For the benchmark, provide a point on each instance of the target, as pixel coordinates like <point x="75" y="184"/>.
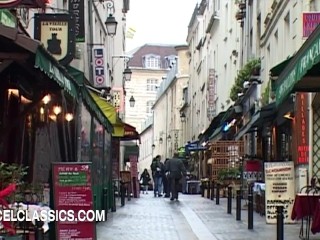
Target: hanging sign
<point x="280" y="190"/>
<point x="57" y="33"/>
<point x="99" y="67"/>
<point x="77" y="8"/>
<point x="310" y="20"/>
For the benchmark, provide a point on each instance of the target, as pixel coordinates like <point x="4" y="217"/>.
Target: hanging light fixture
<point x="69" y="117"/>
<point x="127" y="74"/>
<point x="111" y="25"/>
<point x="183" y="117"/>
<point x="169" y="138"/>
<point x="46" y="99"/>
<point x="57" y="110"/>
<point x="132" y="101"/>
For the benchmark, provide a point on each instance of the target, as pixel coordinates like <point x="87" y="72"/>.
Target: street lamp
<point x="169" y="138"/>
<point x="127" y="74"/>
<point x="183" y="117"/>
<point x="132" y="101"/>
<point x="111" y="25"/>
<point x="153" y="146"/>
<point x="160" y="140"/>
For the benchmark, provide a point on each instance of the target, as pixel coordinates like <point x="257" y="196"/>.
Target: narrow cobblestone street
<point x="191" y="218"/>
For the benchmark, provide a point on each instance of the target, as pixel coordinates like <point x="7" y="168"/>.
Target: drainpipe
<point x="90" y="10"/>
<point x="166" y="140"/>
<point x="79" y="127"/>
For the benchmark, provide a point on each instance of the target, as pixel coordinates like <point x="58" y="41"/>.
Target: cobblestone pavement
<point x="191" y="218"/>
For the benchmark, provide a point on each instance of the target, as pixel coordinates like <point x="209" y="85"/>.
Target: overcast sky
<point x="159" y="21"/>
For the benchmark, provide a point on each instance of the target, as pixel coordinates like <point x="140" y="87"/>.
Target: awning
<point x="23" y="3"/>
<point x="257" y="120"/>
<point x="276" y="70"/>
<point x="217" y="134"/>
<point x="302" y="72"/>
<point x="130" y="133"/>
<point x="15" y="41"/>
<point x="110" y="113"/>
<point x="194" y="146"/>
<point x="89" y="100"/>
<point x="213" y="125"/>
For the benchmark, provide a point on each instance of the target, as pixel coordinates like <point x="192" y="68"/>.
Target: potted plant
<point x="11" y="178"/>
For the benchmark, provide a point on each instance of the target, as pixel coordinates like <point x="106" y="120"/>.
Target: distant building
<point x="149" y="64"/>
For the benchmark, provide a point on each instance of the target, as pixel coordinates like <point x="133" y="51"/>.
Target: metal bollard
<point x="202" y="189"/>
<point x="212" y="190"/>
<point x="250" y="211"/>
<point x="208" y="189"/>
<point x="135" y="182"/>
<point x="218" y="194"/>
<point x="229" y="206"/>
<point x="280" y="223"/>
<point x="128" y="188"/>
<point x="38" y="231"/>
<point x="105" y="201"/>
<point x="113" y="207"/>
<point x="122" y="193"/>
<point x="238" y="205"/>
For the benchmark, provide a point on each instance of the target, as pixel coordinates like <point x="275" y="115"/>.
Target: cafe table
<point x="304" y="209"/>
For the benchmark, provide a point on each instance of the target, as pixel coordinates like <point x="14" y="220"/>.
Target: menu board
<point x="280" y="190"/>
<point x="72" y="189"/>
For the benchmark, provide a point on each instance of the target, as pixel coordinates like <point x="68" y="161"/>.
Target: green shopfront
<point x="299" y="86"/>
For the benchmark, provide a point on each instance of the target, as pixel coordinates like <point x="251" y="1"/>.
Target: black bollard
<point x="229" y="206"/>
<point x="238" y="205"/>
<point x="122" y="193"/>
<point x="208" y="189"/>
<point x="38" y="231"/>
<point x="279" y="222"/>
<point x="105" y="201"/>
<point x="202" y="189"/>
<point x="128" y="187"/>
<point x="135" y="182"/>
<point x="218" y="194"/>
<point x="113" y="207"/>
<point x="250" y="210"/>
<point x="212" y="190"/>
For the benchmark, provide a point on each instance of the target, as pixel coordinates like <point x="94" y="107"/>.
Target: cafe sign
<point x="303" y="62"/>
<point x="77" y="8"/>
<point x="56" y="32"/>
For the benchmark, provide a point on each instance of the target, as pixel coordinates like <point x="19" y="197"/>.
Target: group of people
<point x="166" y="177"/>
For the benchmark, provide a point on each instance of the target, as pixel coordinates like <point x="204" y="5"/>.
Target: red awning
<point x="23" y="3"/>
<point x="130" y="133"/>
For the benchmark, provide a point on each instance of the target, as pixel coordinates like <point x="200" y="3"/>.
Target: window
<point x="152" y="85"/>
<point x="170" y="61"/>
<point x="152" y="61"/>
<point x="149" y="107"/>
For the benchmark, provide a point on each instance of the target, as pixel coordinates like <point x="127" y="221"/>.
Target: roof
<point x="157" y="49"/>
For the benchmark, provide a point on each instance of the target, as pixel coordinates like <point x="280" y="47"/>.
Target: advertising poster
<point x="310" y="21"/>
<point x="280" y="190"/>
<point x="72" y="189"/>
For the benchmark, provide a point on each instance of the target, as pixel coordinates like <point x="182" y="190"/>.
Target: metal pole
<point x="208" y="189"/>
<point x="229" y="206"/>
<point x="105" y="200"/>
<point x="113" y="207"/>
<point x="250" y="208"/>
<point x="212" y="190"/>
<point x="202" y="189"/>
<point x="218" y="194"/>
<point x="122" y="193"/>
<point x="238" y="205"/>
<point x="280" y="223"/>
<point x="39" y="234"/>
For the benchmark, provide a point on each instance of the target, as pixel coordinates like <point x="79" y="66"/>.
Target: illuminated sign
<point x="302" y="128"/>
<point x="99" y="67"/>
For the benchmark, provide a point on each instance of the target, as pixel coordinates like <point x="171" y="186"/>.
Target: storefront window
<point x="85" y="134"/>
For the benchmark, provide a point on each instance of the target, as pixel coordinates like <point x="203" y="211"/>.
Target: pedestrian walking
<point x="157" y="169"/>
<point x="176" y="170"/>
<point x="165" y="181"/>
<point x="144" y="180"/>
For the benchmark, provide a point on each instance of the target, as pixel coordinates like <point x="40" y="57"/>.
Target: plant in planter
<point x="251" y="67"/>
<point x="11" y="178"/>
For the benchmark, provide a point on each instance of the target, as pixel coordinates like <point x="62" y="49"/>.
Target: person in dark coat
<point x="165" y="181"/>
<point x="176" y="170"/>
<point x="157" y="169"/>
<point x="144" y="180"/>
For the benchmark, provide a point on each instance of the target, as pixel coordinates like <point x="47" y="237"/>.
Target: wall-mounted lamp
<point x="111" y="23"/>
<point x="46" y="99"/>
<point x="160" y="140"/>
<point x="127" y="74"/>
<point x="132" y="101"/>
<point x="153" y="146"/>
<point x="169" y="138"/>
<point x="69" y="117"/>
<point x="57" y="110"/>
<point x="289" y="115"/>
<point x="183" y="117"/>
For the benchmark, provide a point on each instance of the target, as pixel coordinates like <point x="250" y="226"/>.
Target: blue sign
<point x="194" y="147"/>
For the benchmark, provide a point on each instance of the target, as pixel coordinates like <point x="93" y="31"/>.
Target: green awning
<point x="303" y="61"/>
<point x="276" y="70"/>
<point x="217" y="134"/>
<point x="88" y="100"/>
<point x="54" y="71"/>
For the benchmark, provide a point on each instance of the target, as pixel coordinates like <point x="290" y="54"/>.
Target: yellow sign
<point x="54" y="36"/>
